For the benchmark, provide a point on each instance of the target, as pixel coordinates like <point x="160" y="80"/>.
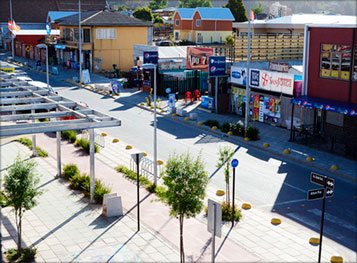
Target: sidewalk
<point x="253" y="239"/>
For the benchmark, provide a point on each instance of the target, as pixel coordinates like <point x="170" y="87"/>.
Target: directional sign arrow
<point x="329" y="193"/>
<point x="330" y="183"/>
<point x="316" y="194"/>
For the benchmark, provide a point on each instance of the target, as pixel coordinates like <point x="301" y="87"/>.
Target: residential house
<point x="277" y="9"/>
<point x="203" y="24"/>
<point x="108" y="38"/>
<point x="32" y="14"/>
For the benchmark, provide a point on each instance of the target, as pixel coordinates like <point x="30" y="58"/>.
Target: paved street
<point x="272" y="184"/>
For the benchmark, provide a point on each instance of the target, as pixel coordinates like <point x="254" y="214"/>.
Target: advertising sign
<point x="151" y="57"/>
<point x="272" y="81"/>
<point x="254" y="78"/>
<point x="48" y="28"/>
<point x="197" y="58"/>
<point x="261" y="108"/>
<point x="172" y="100"/>
<point x="115" y="86"/>
<point x="86" y="76"/>
<point x="238" y="75"/>
<point x="278" y="66"/>
<point x="217" y="66"/>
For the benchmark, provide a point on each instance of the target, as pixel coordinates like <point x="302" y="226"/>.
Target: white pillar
<point x="34" y="151"/>
<point x="80" y="41"/>
<point x="247" y="101"/>
<point x="155" y="129"/>
<point x="12" y="36"/>
<point x="58" y="137"/>
<point x="91" y="156"/>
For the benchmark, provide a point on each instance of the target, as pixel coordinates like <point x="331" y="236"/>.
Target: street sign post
<point x="214" y="222"/>
<point x="322" y="193"/>
<point x="137" y="157"/>
<point x="28" y="49"/>
<point x="234" y="164"/>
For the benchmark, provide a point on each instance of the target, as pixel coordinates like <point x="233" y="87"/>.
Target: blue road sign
<point x="234" y="163"/>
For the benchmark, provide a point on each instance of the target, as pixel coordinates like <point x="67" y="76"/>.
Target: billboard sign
<point x="217" y="66"/>
<point x="151" y="57"/>
<point x="272" y="81"/>
<point x="238" y="75"/>
<point x="198" y="58"/>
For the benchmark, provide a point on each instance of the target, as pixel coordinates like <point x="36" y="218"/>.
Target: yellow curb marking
<point x="276" y="221"/>
<point x="314" y="240"/>
<point x="286" y="151"/>
<point x="246" y="206"/>
<point x="336" y="259"/>
<point x="128" y="147"/>
<point x="220" y="192"/>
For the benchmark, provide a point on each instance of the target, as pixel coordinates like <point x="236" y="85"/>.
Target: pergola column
<point x="58" y="137"/>
<point x="91" y="157"/>
<point x="34" y="150"/>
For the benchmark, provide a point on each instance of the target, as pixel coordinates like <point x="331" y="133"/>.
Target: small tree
<point x="20" y="191"/>
<point x="158" y="19"/>
<point x="194" y="3"/>
<point x="157" y="4"/>
<point x="258" y="10"/>
<point x="225" y="155"/>
<point x="143" y="13"/>
<point x="186" y="182"/>
<point x="238" y="10"/>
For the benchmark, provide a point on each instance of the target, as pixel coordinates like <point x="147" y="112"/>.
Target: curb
<point x="244" y="143"/>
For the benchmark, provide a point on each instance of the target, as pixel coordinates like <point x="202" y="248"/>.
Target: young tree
<point x="225" y="155"/>
<point x="194" y="3"/>
<point x="186" y="182"/>
<point x="20" y="191"/>
<point x="157" y="4"/>
<point x="238" y="10"/>
<point x="258" y="10"/>
<point x="158" y="19"/>
<point x="143" y="13"/>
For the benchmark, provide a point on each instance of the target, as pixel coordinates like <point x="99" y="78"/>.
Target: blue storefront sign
<point x="207" y="102"/>
<point x="151" y="57"/>
<point x="60" y="46"/>
<point x="217" y="66"/>
<point x="254" y="78"/>
<point x="48" y="28"/>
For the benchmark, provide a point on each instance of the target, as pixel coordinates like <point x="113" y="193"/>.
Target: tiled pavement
<point x="66" y="228"/>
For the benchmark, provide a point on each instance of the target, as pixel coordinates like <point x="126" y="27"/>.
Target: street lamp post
<point x="47" y="71"/>
<point x="12" y="35"/>
<point x="80" y="41"/>
<point x="153" y="66"/>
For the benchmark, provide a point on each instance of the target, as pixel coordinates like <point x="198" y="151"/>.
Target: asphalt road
<point x="267" y="182"/>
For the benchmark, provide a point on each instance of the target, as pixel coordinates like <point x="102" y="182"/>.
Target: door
<point x="189" y="36"/>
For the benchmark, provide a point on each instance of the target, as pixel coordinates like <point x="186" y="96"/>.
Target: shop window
<point x="335" y="61"/>
<point x="354" y="69"/>
<point x="86" y="35"/>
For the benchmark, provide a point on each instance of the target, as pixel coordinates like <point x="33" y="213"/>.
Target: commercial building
<point x="107" y="38"/>
<point x="203" y="24"/>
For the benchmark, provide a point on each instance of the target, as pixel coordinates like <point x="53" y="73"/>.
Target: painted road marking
<point x="333" y="219"/>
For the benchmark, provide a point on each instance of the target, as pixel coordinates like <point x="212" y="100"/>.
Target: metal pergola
<point x="22" y="105"/>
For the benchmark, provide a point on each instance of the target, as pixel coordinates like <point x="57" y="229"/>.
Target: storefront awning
<point x="325" y="104"/>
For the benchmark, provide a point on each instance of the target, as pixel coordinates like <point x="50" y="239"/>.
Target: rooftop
<point x="206" y="13"/>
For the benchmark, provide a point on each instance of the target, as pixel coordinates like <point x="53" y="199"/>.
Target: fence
<point x="146" y="168"/>
<point x="98" y="139"/>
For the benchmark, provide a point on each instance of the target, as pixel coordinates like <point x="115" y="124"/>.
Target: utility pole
<point x="247" y="100"/>
<point x="12" y="35"/>
<point x="80" y="41"/>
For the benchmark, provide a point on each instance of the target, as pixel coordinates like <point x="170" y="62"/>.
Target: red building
<point x="330" y="87"/>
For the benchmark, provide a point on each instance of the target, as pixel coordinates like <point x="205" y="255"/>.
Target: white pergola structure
<point x="21" y="104"/>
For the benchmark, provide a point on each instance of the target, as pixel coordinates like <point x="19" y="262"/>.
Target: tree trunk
<point x="182" y="253"/>
<point x="19" y="229"/>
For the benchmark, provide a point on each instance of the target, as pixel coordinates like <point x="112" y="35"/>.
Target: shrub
<point x="226" y="127"/>
<point x="41" y="152"/>
<point x="2" y="199"/>
<point x="43" y="120"/>
<point x="252" y="133"/>
<point x="84" y="145"/>
<point x="27" y="255"/>
<point x="69" y="171"/>
<point x="70" y="136"/>
<point x="227" y="212"/>
<point x="25" y="141"/>
<point x="77" y="181"/>
<point x="211" y="123"/>
<point x="238" y="129"/>
<point x="99" y="191"/>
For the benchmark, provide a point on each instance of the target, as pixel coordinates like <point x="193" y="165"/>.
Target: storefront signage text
<point x="272" y="81"/>
<point x="197" y="58"/>
<point x="278" y="66"/>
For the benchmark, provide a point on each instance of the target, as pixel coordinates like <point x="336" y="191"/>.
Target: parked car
<point x="164" y="43"/>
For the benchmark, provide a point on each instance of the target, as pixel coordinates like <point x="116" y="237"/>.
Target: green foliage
<point x="27" y="255"/>
<point x="253" y="133"/>
<point x="69" y="171"/>
<point x="28" y="142"/>
<point x="21" y="190"/>
<point x="2" y="199"/>
<point x="238" y="10"/>
<point x="158" y="19"/>
<point x="225" y="156"/>
<point x="211" y="123"/>
<point x="226" y="127"/>
<point x="143" y="13"/>
<point x="238" y="128"/>
<point x="227" y="212"/>
<point x="121" y="8"/>
<point x="43" y="120"/>
<point x="159" y="190"/>
<point x="230" y="40"/>
<point x="157" y="4"/>
<point x="194" y="3"/>
<point x="148" y="101"/>
<point x="77" y="181"/>
<point x="70" y="136"/>
<point x="258" y="10"/>
<point x="99" y="191"/>
<point x="85" y="144"/>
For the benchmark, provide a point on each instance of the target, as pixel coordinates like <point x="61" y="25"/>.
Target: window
<point x="177" y="22"/>
<point x="86" y="35"/>
<point x="199" y="38"/>
<point x="68" y="34"/>
<point x="354" y="69"/>
<point x="106" y="33"/>
<point x="176" y="35"/>
<point x="198" y="23"/>
<point x="76" y="35"/>
<point x="335" y="61"/>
